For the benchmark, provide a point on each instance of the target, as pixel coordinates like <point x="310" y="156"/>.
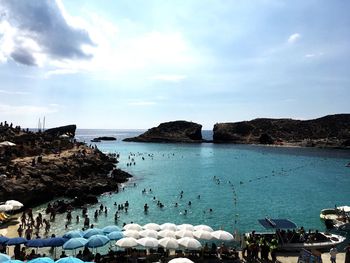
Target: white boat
<point x="292" y="239"/>
<point x="338" y="217"/>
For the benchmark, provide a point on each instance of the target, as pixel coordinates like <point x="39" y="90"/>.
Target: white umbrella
<point x="152" y="226"/>
<point x="133" y="226"/>
<point x="185" y="227"/>
<point x="7" y="143"/>
<point x="183" y="233"/>
<point x="4" y="208"/>
<point x="126" y="242"/>
<point x="222" y="235"/>
<point x="202" y="234"/>
<point x="149" y="233"/>
<point x="203" y="227"/>
<point x="148" y="242"/>
<point x="168" y="226"/>
<point x="16" y="204"/>
<point x="131" y="233"/>
<point x="168" y="243"/>
<point x="180" y="260"/>
<point x="167" y="233"/>
<point x="189" y="243"/>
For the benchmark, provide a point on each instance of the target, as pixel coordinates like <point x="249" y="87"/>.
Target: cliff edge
<point x="328" y="131"/>
<point x="174" y="131"/>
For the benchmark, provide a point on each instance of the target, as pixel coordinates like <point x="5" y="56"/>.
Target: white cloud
<point x="169" y="77"/>
<point x="293" y="38"/>
<point x="13" y="92"/>
<point x="32" y="32"/>
<point x="313" y="55"/>
<point x="12" y="110"/>
<point x="141" y="103"/>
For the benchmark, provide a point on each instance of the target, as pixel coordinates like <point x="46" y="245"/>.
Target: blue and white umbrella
<point x="115" y="235"/>
<point x="14" y="261"/>
<point x="3" y="239"/>
<point x="41" y="260"/>
<point x="16" y="241"/>
<point x="110" y="229"/>
<point x="4" y="258"/>
<point x="92" y="231"/>
<point x="55" y="241"/>
<point x="69" y="260"/>
<point x="73" y="233"/>
<point x="39" y="242"/>
<point x="97" y="241"/>
<point x="74" y="243"/>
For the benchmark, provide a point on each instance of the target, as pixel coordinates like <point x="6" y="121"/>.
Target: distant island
<point x="172" y="132"/>
<point x="331" y="131"/>
<point x="328" y="131"/>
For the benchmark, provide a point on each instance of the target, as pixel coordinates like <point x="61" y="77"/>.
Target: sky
<point x="124" y="64"/>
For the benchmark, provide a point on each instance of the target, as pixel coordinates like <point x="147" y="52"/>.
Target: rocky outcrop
<point x="104" y="138"/>
<point x="68" y="130"/>
<point x="328" y="131"/>
<point x="175" y="131"/>
<point x="42" y="167"/>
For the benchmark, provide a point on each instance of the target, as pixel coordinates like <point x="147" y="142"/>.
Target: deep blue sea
<point x="240" y="183"/>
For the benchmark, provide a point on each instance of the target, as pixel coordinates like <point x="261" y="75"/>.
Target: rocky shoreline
<point x="331" y="131"/>
<point x="46" y="165"/>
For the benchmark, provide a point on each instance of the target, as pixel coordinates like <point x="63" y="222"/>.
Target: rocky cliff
<point x="42" y="166"/>
<point x="175" y="131"/>
<point x="328" y="131"/>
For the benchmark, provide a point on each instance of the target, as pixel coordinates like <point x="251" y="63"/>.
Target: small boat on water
<point x="337" y="217"/>
<point x="291" y="238"/>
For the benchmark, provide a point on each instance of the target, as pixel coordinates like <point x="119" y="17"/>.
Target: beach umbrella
<point x="126" y="242"/>
<point x="203" y="234"/>
<point x="189" y="243"/>
<point x="109" y="229"/>
<point x="14" y="261"/>
<point x="16" y="204"/>
<point x="39" y="242"/>
<point x="4" y="257"/>
<point x="133" y="226"/>
<point x="74" y="243"/>
<point x="16" y="241"/>
<point x="148" y="242"/>
<point x="92" y="231"/>
<point x="3" y="239"/>
<point x="183" y="233"/>
<point x="149" y="233"/>
<point x="180" y="260"/>
<point x="7" y="143"/>
<point x="222" y="235"/>
<point x="168" y="226"/>
<point x="4" y="208"/>
<point x="185" y="227"/>
<point x="167" y="233"/>
<point x="168" y="243"/>
<point x="55" y="241"/>
<point x="69" y="260"/>
<point x="97" y="241"/>
<point x="131" y="233"/>
<point x="73" y="233"/>
<point x="203" y="227"/>
<point x="152" y="226"/>
<point x="115" y="235"/>
<point x="41" y="260"/>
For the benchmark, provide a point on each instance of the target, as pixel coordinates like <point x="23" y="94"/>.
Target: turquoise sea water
<point x="251" y="182"/>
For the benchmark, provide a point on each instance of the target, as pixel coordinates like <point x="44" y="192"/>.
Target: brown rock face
<point x="175" y="131"/>
<point x="328" y="131"/>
